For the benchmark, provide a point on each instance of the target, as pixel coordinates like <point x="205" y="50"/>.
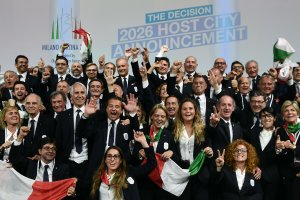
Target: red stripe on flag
<point x="154" y="175"/>
<point x="82" y="32"/>
<point x="51" y="190"/>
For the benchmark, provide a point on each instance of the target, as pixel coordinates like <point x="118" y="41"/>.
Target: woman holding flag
<point x="288" y="149"/>
<point x="163" y="144"/>
<point x="192" y="150"/>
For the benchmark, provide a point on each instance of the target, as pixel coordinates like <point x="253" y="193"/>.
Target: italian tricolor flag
<point x="282" y="50"/>
<point x="15" y="186"/>
<point x="171" y="177"/>
<point x="86" y="45"/>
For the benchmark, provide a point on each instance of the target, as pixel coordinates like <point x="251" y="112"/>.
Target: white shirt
<point x="106" y="192"/>
<point x="9" y="136"/>
<point x="202" y="106"/>
<point x="74" y="156"/>
<point x="23" y="78"/>
<point x="265" y="137"/>
<point x="186" y="145"/>
<point x="240" y="176"/>
<point x="41" y="168"/>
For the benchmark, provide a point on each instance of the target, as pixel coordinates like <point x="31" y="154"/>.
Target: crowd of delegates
<point x="102" y="125"/>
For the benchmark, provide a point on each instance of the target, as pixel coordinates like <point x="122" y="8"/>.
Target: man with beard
<point x="20" y="92"/>
<point x="76" y="72"/>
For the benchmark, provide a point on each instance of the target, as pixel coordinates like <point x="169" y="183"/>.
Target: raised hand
<point x="143" y="72"/>
<point x="153" y="66"/>
<point x="279" y="144"/>
<point x="131" y="105"/>
<point x="220" y="159"/>
<point x="234" y="83"/>
<point x="145" y="55"/>
<point x="24" y="130"/>
<point x="41" y="63"/>
<point x="212" y="78"/>
<point x="90" y="107"/>
<point x="176" y="66"/>
<point x="135" y="52"/>
<point x="110" y="80"/>
<point x="215" y="117"/>
<point x="64" y="46"/>
<point x="128" y="53"/>
<point x="273" y="72"/>
<point x="164" y="48"/>
<point x="140" y="137"/>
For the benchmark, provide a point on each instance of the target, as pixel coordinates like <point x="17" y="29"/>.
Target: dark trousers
<point x="78" y="170"/>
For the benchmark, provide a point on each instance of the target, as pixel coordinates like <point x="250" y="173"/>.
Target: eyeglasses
<point x="91" y="70"/>
<point x="240" y="151"/>
<point x="50" y="148"/>
<point x="113" y="157"/>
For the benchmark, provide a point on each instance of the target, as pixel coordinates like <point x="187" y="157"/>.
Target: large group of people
<point x="107" y="127"/>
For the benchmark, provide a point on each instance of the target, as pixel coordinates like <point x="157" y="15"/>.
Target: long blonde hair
<point x="118" y="182"/>
<point x="198" y="125"/>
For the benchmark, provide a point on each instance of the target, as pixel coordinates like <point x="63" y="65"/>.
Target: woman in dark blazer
<point x="163" y="143"/>
<point x="264" y="139"/>
<point x="288" y="149"/>
<point x="235" y="180"/>
<point x="10" y="123"/>
<point x="114" y="180"/>
<point x="190" y="142"/>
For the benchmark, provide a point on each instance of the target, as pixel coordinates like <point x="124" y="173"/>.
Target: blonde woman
<point x="191" y="143"/>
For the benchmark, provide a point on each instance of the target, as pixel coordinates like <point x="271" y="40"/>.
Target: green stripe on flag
<point x="280" y="54"/>
<point x="197" y="163"/>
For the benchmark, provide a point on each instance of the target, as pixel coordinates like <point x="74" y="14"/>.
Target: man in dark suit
<point x="252" y="71"/>
<point x="47" y="169"/>
<point x="10" y="77"/>
<point x="40" y="125"/>
<point x="190" y="66"/>
<point x="73" y="150"/>
<point x="107" y="131"/>
<point x="125" y="80"/>
<point x="21" y="63"/>
<point x="221" y="130"/>
<point x="61" y="65"/>
<point x="242" y="97"/>
<point x="91" y="72"/>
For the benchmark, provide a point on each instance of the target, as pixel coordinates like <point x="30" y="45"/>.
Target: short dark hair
<point x="21" y="83"/>
<point x="163" y="58"/>
<point x="62" y="58"/>
<point x="268" y="110"/>
<point x="20" y="56"/>
<point x="114" y="98"/>
<point x="256" y="93"/>
<point x="46" y="140"/>
<point x="57" y="93"/>
<point x="236" y="62"/>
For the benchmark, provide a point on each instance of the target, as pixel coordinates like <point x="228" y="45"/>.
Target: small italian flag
<point x="15" y="186"/>
<point x="171" y="177"/>
<point x="86" y="45"/>
<point x="282" y="51"/>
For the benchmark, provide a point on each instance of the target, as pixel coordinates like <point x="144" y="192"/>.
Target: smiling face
<point x="122" y="67"/>
<point x="9" y="79"/>
<point x="244" y="85"/>
<point x="172" y="106"/>
<point x="252" y="69"/>
<point x="48" y="152"/>
<point x="163" y="91"/>
<point x="190" y="64"/>
<point x="114" y="109"/>
<point x="58" y="104"/>
<point x="22" y="65"/>
<point x="33" y="104"/>
<point x="76" y="69"/>
<point x="11" y="117"/>
<point x="163" y="67"/>
<point x="199" y="85"/>
<point x="61" y="66"/>
<point x="78" y="95"/>
<point x="240" y="154"/>
<point x="188" y="112"/>
<point x="113" y="160"/>
<point x="290" y="114"/>
<point x="226" y="107"/>
<point x="267" y="120"/>
<point x="158" y="118"/>
<point x="20" y="92"/>
<point x="95" y="88"/>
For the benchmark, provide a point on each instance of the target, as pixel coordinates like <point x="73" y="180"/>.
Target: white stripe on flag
<point x="13" y="186"/>
<point x="174" y="178"/>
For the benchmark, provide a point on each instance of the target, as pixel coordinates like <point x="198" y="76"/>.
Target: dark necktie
<point x="228" y="126"/>
<point x="61" y="78"/>
<point x="78" y="140"/>
<point x="189" y="76"/>
<point x="254" y="84"/>
<point x="177" y="87"/>
<point x="268" y="100"/>
<point x="111" y="134"/>
<point x="125" y="85"/>
<point x="32" y="128"/>
<point x="20" y="76"/>
<point x="46" y="175"/>
<point x="23" y="108"/>
<point x="198" y="103"/>
<point x="162" y="78"/>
